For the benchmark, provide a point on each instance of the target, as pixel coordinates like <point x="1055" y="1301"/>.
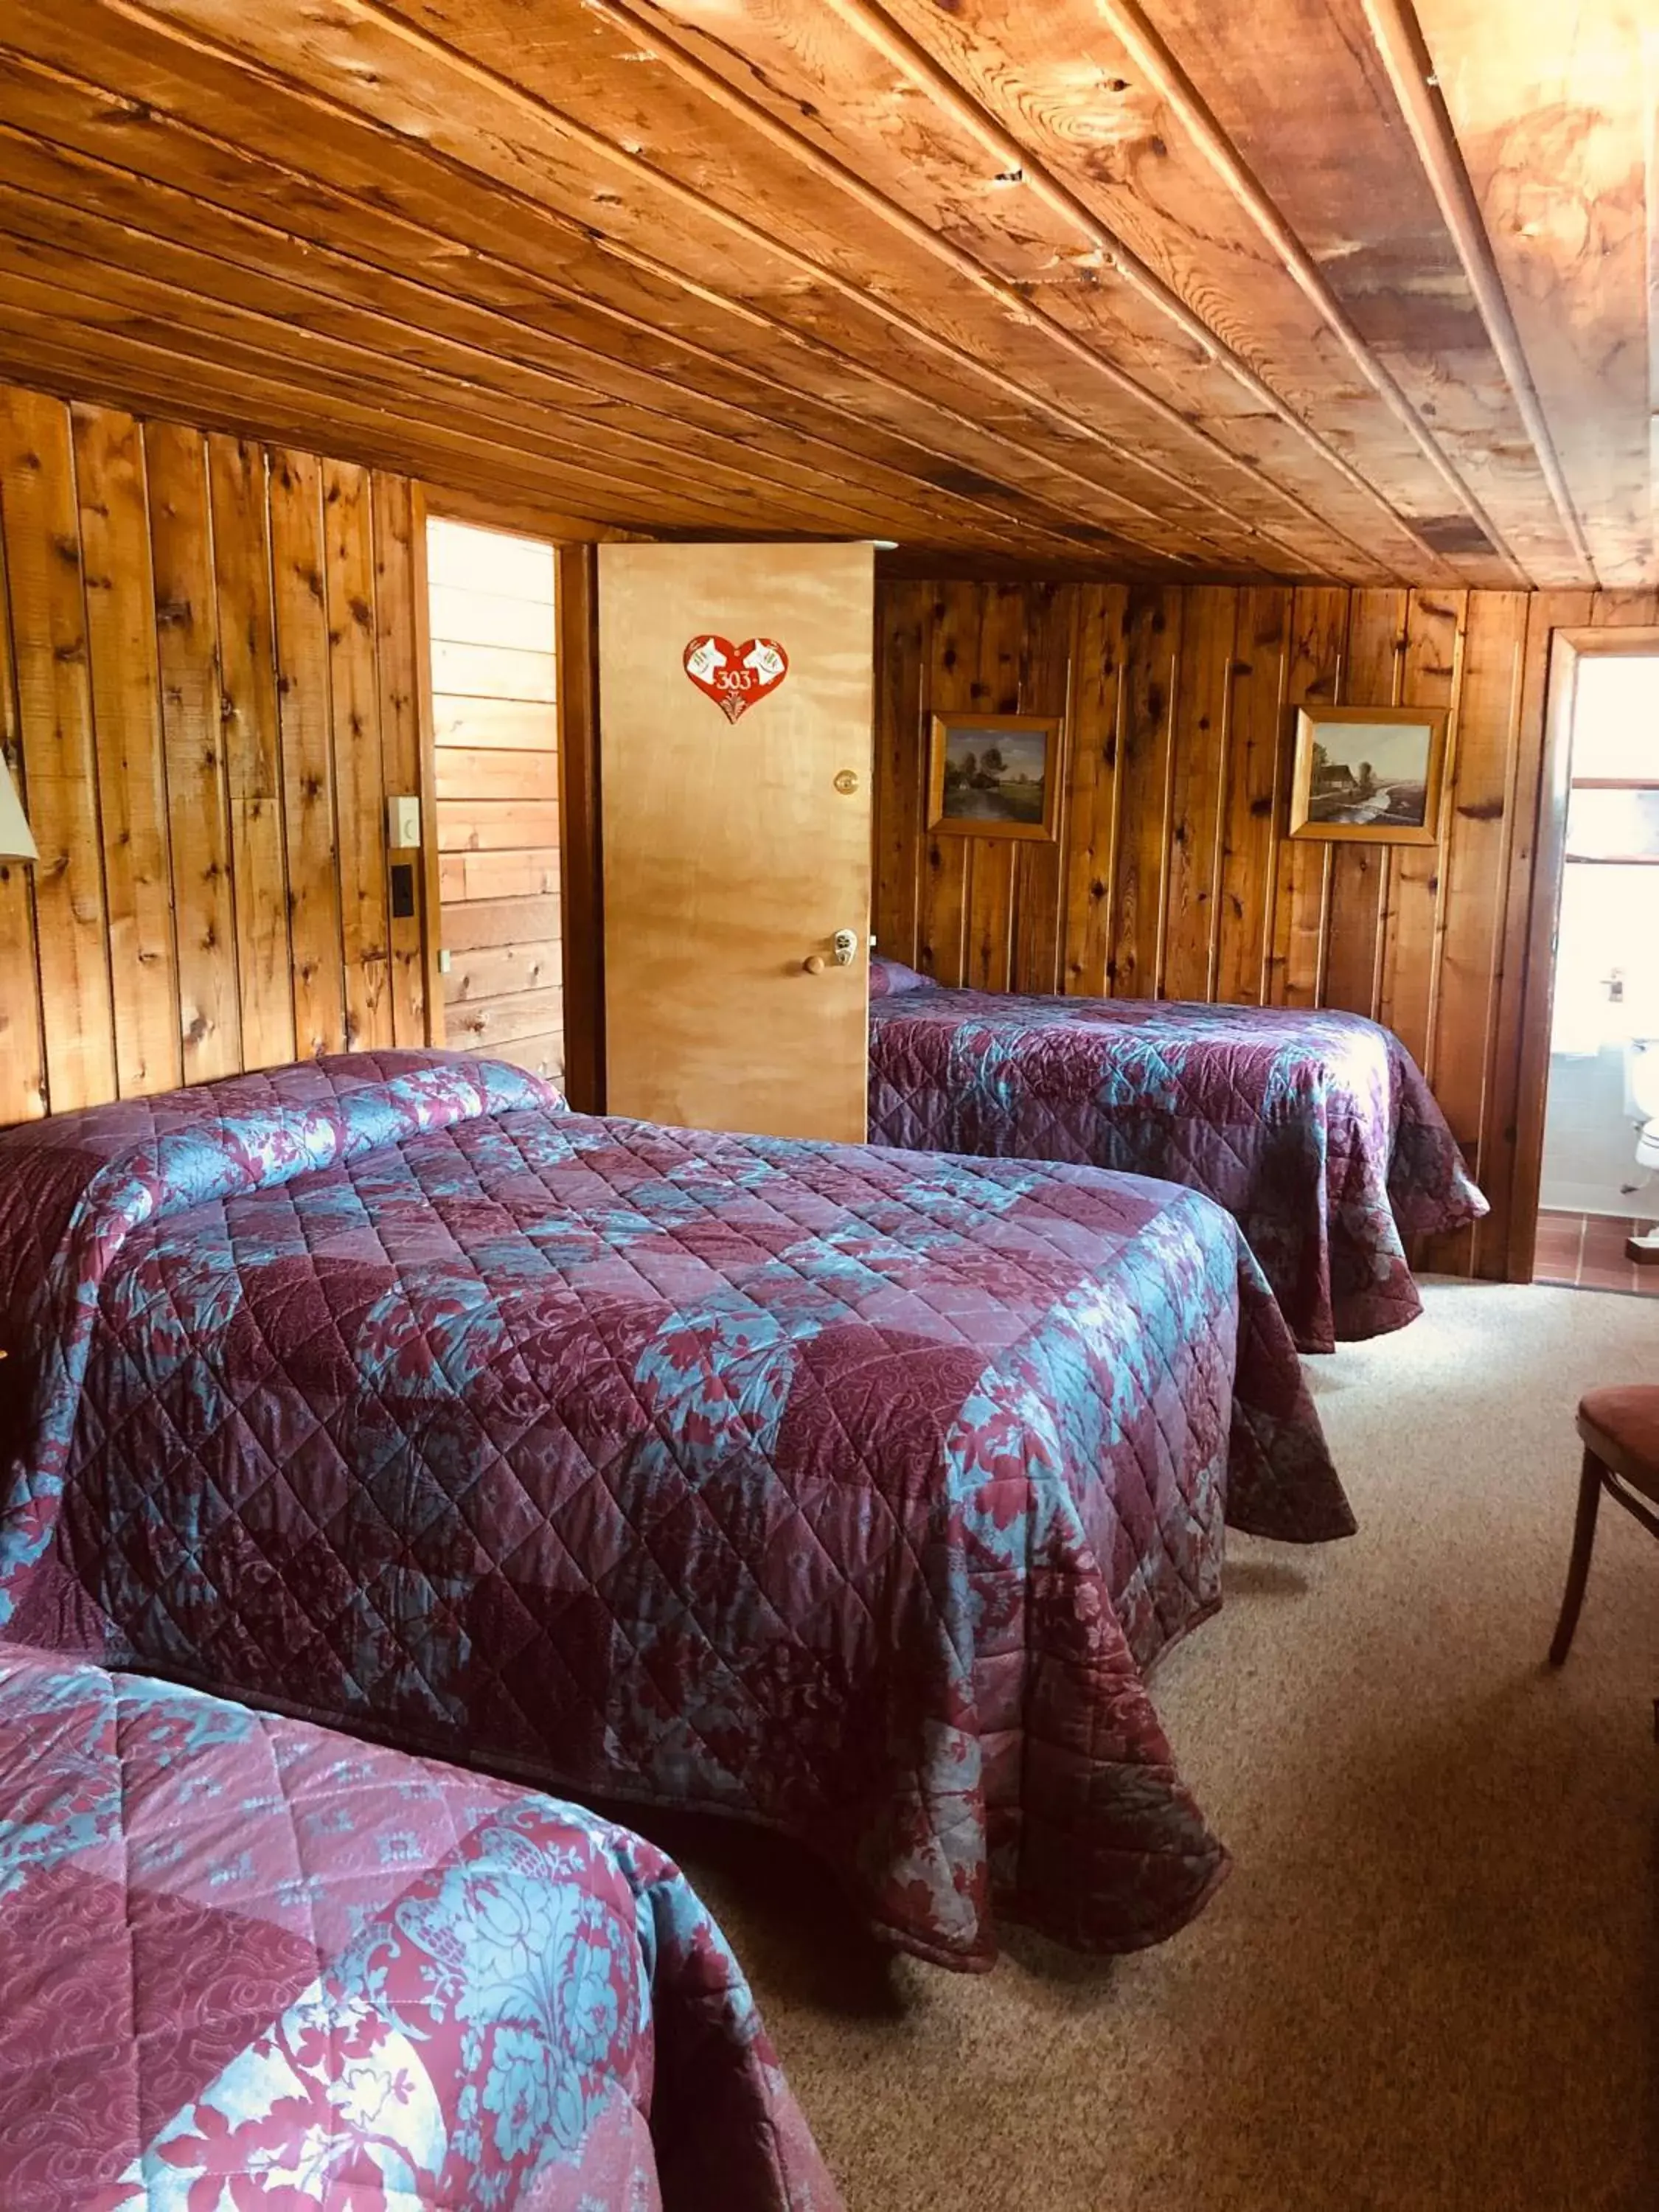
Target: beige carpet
<point x="1430" y="1981"/>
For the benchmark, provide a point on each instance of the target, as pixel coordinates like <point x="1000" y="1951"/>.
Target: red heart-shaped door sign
<point x="735" y="676"/>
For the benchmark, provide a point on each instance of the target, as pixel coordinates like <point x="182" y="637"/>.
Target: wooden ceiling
<point x="1298" y="288"/>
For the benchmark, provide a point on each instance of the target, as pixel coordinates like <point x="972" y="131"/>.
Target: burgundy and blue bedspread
<point x="247" y="1964"/>
<point x="844" y="1491"/>
<point x="1316" y="1131"/>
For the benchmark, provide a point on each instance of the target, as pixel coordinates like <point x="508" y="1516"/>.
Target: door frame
<point x="582" y="918"/>
<point x="1567" y="648"/>
<point x="431" y="912"/>
<point x="581" y="869"/>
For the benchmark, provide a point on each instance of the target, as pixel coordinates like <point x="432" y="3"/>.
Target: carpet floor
<point x="1431" y="1981"/>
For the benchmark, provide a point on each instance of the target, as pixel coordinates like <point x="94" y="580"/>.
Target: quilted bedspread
<point x="244" y="1963"/>
<point x="845" y="1491"/>
<point x="1316" y="1131"/>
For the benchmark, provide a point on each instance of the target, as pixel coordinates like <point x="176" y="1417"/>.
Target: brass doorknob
<point x="813" y="963"/>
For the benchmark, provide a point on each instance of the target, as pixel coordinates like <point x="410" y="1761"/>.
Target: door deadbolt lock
<point x="846" y="941"/>
<point x="847" y="782"/>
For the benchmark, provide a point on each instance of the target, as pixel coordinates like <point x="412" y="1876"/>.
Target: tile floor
<point x="1588" y="1250"/>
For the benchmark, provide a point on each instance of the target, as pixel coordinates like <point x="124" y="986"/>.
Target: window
<point x="1613" y="808"/>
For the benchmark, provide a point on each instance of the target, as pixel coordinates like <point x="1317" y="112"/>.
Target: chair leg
<point x="1583" y="1542"/>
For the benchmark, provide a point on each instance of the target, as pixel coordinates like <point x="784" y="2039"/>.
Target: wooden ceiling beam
<point x="1411" y="73"/>
<point x="378" y="65"/>
<point x="164" y="76"/>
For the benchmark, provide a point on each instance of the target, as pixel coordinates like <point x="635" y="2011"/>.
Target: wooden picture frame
<point x="1018" y="796"/>
<point x="1368" y="775"/>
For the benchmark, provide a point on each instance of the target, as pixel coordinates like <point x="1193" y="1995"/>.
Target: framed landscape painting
<point x="1369" y="775"/>
<point x="994" y="775"/>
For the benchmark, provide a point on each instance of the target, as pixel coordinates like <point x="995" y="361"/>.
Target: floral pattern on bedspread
<point x="844" y="1491"/>
<point x="1315" y="1130"/>
<point x="247" y="1964"/>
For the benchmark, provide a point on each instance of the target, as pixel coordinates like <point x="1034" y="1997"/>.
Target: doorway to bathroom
<point x="1598" y="1190"/>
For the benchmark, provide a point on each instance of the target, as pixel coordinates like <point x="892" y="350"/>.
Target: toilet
<point x="1642" y="1096"/>
<point x="1642" y="1105"/>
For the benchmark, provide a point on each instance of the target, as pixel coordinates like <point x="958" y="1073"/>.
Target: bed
<point x="847" y="1492"/>
<point x="1314" y="1130"/>
<point x="246" y="1962"/>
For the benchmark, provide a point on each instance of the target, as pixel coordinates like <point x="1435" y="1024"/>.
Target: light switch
<point x="403" y="824"/>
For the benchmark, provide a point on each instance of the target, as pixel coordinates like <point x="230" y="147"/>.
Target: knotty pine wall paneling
<point x="193" y="749"/>
<point x="209" y="686"/>
<point x="1172" y="876"/>
<point x="73" y="979"/>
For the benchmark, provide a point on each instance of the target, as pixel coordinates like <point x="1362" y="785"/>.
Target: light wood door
<point x="737" y="833"/>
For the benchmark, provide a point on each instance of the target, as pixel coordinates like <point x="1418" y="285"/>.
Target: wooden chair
<point x="1621" y="1429"/>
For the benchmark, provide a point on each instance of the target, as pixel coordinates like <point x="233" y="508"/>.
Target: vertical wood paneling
<point x="1301" y="918"/>
<point x="1044" y="689"/>
<point x="1009" y="615"/>
<point x="1202" y="755"/>
<point x="1001" y="647"/>
<point x="204" y="717"/>
<point x="954" y="635"/>
<point x="114" y="527"/>
<point x="397" y="642"/>
<point x="1474" y="875"/>
<point x="1250" y="838"/>
<point x="198" y="796"/>
<point x="990" y="915"/>
<point x="299" y="596"/>
<point x="1090" y="854"/>
<point x="22" y="1042"/>
<point x="251" y="743"/>
<point x="1151" y="642"/>
<point x="354" y="745"/>
<point x="1179" y="709"/>
<point x="1433" y="663"/>
<point x="1624" y="610"/>
<point x="904" y="612"/>
<point x="1373" y="672"/>
<point x="54" y="702"/>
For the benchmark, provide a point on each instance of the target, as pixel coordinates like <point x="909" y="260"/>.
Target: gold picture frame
<point x="994" y="775"/>
<point x="1368" y="775"/>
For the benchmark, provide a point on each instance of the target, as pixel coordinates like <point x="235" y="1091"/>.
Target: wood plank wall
<point x="209" y="684"/>
<point x="495" y="729"/>
<point x="1171" y="876"/>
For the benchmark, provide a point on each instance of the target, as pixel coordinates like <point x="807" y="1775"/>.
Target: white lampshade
<point x="15" y="842"/>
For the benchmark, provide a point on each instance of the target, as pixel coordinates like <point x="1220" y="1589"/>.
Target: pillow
<point x="888" y="977"/>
